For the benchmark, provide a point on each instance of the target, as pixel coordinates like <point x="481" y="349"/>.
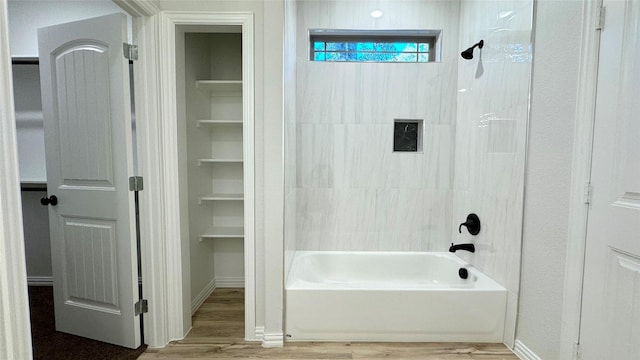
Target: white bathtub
<point x="390" y="296"/>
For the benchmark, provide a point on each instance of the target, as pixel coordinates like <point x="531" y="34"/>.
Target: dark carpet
<point x="50" y="344"/>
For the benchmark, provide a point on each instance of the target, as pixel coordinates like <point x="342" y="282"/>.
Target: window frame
<point x="431" y="37"/>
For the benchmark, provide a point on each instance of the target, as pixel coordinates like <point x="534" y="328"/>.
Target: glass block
<point x="423" y="47"/>
<point x="365" y="46"/>
<point x="423" y="57"/>
<point x="336" y="46"/>
<point x="319" y="56"/>
<point x="406" y="57"/>
<point x="318" y="45"/>
<point x="336" y="56"/>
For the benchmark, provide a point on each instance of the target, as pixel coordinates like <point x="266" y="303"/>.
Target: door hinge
<point x="136" y="183"/>
<point x="577" y="351"/>
<point x="601" y="16"/>
<point x="130" y="51"/>
<point x="141" y="307"/>
<point x="588" y="193"/>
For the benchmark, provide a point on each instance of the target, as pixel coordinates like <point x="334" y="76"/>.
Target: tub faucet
<point x="467" y="247"/>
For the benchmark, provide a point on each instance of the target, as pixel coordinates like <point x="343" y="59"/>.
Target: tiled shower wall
<point x="352" y="191"/>
<point x="290" y="140"/>
<point x="492" y="112"/>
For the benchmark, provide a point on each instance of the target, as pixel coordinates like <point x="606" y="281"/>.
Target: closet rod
<point x="34" y="61"/>
<point x="33" y="186"/>
<point x="25" y="61"/>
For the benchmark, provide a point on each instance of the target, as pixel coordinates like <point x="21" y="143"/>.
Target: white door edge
<point x="581" y="170"/>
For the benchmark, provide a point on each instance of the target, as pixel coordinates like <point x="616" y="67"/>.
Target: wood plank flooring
<point x="218" y="333"/>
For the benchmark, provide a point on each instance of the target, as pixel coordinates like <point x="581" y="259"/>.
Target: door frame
<point x="15" y="341"/>
<point x="165" y="156"/>
<point x="581" y="175"/>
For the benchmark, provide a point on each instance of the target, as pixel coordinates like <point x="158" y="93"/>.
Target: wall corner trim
<point x="139" y="7"/>
<point x="523" y="352"/>
<point x="581" y="173"/>
<point x="273" y="340"/>
<point x="202" y="296"/>
<point x="259" y="334"/>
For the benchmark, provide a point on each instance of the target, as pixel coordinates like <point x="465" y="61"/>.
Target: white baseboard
<point x="204" y="294"/>
<point x="523" y="352"/>
<point x="273" y="340"/>
<point x="39" y="280"/>
<point x="230" y="282"/>
<point x="258" y="334"/>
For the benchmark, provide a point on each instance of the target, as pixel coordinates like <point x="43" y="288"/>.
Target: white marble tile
<point x="354" y="193"/>
<point x="490" y="135"/>
<point x="315" y="146"/>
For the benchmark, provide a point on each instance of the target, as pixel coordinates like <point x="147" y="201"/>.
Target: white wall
<point x="290" y="139"/>
<point x="30" y="137"/>
<point x="35" y="218"/>
<point x="548" y="174"/>
<point x="353" y="191"/>
<point x="493" y="100"/>
<point x="27" y="16"/>
<point x="29" y="123"/>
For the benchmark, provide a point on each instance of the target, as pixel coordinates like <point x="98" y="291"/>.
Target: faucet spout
<point x="466" y="247"/>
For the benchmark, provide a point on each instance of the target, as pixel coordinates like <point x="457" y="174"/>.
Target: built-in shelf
<point x="223" y="232"/>
<point x="222" y="86"/>
<point x="221" y="197"/>
<point x="218" y="122"/>
<point x="202" y="162"/>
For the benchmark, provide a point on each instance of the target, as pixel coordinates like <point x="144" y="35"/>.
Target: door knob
<point x="51" y="200"/>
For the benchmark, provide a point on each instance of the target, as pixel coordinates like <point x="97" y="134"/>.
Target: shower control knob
<point x="472" y="224"/>
<point x="51" y="200"/>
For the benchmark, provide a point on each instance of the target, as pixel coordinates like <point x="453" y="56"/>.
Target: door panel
<point x="82" y="78"/>
<point x="86" y="106"/>
<point x="90" y="263"/>
<point x="610" y="326"/>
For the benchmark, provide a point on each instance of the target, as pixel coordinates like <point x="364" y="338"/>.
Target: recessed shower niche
<point x="407" y="135"/>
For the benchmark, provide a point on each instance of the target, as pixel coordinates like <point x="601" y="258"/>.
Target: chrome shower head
<point x="468" y="54"/>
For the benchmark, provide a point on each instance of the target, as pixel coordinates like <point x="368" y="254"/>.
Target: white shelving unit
<point x="223" y="232"/>
<point x="220" y="86"/>
<point x="202" y="162"/>
<point x="214" y="137"/>
<point x="221" y="197"/>
<point x="212" y="163"/>
<point x="203" y="123"/>
<point x="225" y="134"/>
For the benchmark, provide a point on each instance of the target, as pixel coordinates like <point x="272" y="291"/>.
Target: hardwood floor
<point x="218" y="333"/>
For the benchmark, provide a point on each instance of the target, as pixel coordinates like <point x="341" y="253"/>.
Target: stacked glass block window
<point x="373" y="46"/>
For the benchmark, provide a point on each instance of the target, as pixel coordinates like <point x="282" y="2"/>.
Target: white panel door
<point x="610" y="327"/>
<point x="87" y="117"/>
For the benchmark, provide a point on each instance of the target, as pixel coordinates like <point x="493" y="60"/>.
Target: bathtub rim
<point x="482" y="282"/>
